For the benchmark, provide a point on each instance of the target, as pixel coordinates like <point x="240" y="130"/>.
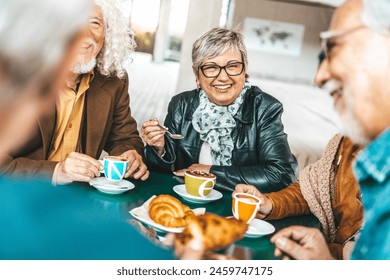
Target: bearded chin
<point x="84" y="68"/>
<point x="353" y="129"/>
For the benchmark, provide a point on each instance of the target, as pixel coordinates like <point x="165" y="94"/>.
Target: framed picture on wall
<point x="274" y="37"/>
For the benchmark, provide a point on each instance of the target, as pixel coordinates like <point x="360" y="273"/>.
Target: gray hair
<point x="215" y="42"/>
<point x="118" y="40"/>
<point x="376" y="15"/>
<point x="33" y="37"/>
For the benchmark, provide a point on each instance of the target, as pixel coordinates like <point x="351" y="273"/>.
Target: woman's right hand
<point x="266" y="204"/>
<point x="153" y="135"/>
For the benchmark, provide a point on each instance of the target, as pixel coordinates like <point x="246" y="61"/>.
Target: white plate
<point x="141" y="213"/>
<point x="105" y="186"/>
<point x="259" y="228"/>
<point x="181" y="190"/>
<point x="148" y="221"/>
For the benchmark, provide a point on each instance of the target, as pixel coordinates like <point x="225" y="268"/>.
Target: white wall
<point x="282" y="67"/>
<point x="202" y="16"/>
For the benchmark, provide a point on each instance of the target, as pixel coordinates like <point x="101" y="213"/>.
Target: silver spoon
<point x="172" y="135"/>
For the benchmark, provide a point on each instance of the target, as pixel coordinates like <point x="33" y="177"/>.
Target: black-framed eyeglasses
<point x="327" y="44"/>
<point x="213" y="70"/>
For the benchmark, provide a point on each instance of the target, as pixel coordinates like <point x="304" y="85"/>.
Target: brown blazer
<point x="346" y="203"/>
<point x="107" y="125"/>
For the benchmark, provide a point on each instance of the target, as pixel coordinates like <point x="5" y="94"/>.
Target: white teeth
<point x="222" y="87"/>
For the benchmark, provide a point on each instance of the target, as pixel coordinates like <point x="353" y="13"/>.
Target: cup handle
<point x="203" y="186"/>
<point x="235" y="209"/>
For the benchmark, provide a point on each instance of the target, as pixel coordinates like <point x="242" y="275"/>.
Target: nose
<point x="223" y="75"/>
<point x="322" y="74"/>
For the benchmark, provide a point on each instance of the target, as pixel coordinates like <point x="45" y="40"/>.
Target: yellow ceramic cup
<point x="199" y="183"/>
<point x="245" y="206"/>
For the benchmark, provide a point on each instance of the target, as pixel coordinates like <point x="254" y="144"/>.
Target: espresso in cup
<point x="115" y="167"/>
<point x="199" y="183"/>
<point x="245" y="206"/>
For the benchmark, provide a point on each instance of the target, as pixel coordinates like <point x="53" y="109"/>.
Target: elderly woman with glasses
<point x="230" y="128"/>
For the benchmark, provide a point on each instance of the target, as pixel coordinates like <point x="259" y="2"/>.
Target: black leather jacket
<point x="261" y="155"/>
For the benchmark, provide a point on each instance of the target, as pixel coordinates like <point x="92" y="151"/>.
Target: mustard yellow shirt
<point x="70" y="106"/>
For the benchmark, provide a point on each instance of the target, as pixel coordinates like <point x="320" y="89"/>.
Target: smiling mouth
<point x="222" y="87"/>
<point x="334" y="88"/>
<point x="336" y="93"/>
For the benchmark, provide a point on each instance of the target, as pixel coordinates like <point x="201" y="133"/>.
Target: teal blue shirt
<point x="39" y="221"/>
<point x="373" y="173"/>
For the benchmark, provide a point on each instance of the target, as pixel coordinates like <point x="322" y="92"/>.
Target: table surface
<point x="72" y="222"/>
<point x="247" y="248"/>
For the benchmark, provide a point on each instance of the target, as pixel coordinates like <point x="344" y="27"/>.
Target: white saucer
<point x="141" y="213"/>
<point x="258" y="228"/>
<point x="181" y="190"/>
<point x="105" y="186"/>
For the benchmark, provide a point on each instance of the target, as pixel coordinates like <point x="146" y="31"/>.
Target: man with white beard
<point x="91" y="115"/>
<point x="356" y="72"/>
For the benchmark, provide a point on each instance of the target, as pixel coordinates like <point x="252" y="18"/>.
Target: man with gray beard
<point x="356" y="72"/>
<point x="92" y="114"/>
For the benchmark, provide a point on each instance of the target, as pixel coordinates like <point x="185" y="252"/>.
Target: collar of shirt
<point x="374" y="160"/>
<point x="85" y="80"/>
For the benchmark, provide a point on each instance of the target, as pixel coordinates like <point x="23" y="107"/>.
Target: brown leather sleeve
<point x="287" y="202"/>
<point x="26" y="167"/>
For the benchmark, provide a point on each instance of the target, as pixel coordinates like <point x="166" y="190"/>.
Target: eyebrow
<point x="230" y="61"/>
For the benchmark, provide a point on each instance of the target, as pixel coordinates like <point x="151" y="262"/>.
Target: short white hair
<point x="376" y="15"/>
<point x="118" y="40"/>
<point x="33" y="37"/>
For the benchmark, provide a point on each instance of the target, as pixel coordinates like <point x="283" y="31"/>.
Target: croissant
<point x="168" y="211"/>
<point x="216" y="232"/>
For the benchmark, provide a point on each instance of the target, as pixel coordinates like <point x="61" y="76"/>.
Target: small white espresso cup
<point x="115" y="167"/>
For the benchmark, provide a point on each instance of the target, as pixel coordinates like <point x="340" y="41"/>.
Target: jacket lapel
<point x="245" y="115"/>
<point x="47" y="127"/>
<point x="98" y="104"/>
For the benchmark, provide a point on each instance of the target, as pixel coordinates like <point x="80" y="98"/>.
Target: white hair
<point x="376" y="15"/>
<point x="118" y="40"/>
<point x="215" y="42"/>
<point x="33" y="37"/>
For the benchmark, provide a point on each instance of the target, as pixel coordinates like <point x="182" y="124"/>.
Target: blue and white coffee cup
<point x="115" y="167"/>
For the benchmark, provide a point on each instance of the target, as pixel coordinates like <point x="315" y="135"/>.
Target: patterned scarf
<point x="215" y="123"/>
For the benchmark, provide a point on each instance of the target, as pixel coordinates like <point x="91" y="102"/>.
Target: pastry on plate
<point x="216" y="232"/>
<point x="168" y="211"/>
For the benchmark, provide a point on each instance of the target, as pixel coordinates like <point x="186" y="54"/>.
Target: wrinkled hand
<point x="199" y="167"/>
<point x="347" y="249"/>
<point x="137" y="168"/>
<point x="77" y="167"/>
<point x="266" y="204"/>
<point x="153" y="135"/>
<point x="193" y="250"/>
<point x="301" y="243"/>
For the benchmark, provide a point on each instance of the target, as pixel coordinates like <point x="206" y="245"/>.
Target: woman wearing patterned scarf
<point x="230" y="128"/>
